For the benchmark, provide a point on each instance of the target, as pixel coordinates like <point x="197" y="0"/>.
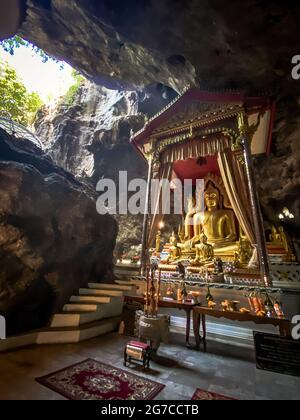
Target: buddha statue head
<point x="212" y="197"/>
<point x="203" y="238"/>
<point x="173" y="239"/>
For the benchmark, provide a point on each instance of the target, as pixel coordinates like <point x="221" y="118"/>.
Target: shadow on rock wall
<point x="52" y="241"/>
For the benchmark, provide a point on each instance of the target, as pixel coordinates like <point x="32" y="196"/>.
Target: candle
<point x="147" y="293"/>
<point x="179" y="295"/>
<point x="158" y="289"/>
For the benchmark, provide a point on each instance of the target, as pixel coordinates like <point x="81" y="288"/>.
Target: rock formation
<point x="82" y="136"/>
<point x="91" y="138"/>
<point x="141" y="42"/>
<point x="52" y="241"/>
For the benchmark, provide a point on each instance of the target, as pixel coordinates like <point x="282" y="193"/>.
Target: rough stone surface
<point x="82" y="137"/>
<point x="91" y="139"/>
<point x="174" y="42"/>
<point x="52" y="241"/>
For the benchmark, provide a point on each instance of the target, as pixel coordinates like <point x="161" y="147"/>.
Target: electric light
<point x="286" y="212"/>
<point x="161" y="225"/>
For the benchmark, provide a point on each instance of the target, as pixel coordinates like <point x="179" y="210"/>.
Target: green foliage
<point x="15" y="101"/>
<point x="10" y="45"/>
<point x="70" y="95"/>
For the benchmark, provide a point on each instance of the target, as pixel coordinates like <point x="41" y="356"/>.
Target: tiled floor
<point x="227" y="370"/>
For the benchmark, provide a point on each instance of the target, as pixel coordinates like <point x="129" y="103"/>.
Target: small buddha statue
<point x="204" y="251"/>
<point x="158" y="242"/>
<point x="174" y="251"/>
<point x="283" y="239"/>
<point x="275" y="237"/>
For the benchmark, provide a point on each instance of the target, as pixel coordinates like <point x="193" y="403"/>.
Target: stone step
<point x="102" y="286"/>
<point x="92" y="299"/>
<point x="80" y="307"/>
<point x="75" y="319"/>
<point x="97" y="292"/>
<point x="80" y="333"/>
<point x="61" y="335"/>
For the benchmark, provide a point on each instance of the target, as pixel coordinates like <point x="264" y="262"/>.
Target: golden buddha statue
<point x="283" y="238"/>
<point x="290" y="255"/>
<point x="204" y="251"/>
<point x="275" y="237"/>
<point x="218" y="224"/>
<point x="174" y="251"/>
<point x="278" y="239"/>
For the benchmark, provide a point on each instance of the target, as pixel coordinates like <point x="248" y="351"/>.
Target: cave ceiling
<point x="208" y="43"/>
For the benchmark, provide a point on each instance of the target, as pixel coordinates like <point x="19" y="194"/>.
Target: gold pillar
<point x="246" y="134"/>
<point x="146" y="222"/>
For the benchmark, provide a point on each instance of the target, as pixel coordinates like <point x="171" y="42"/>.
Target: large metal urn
<point x="154" y="330"/>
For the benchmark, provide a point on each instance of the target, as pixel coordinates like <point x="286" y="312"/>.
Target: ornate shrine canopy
<point x="199" y="115"/>
<point x="202" y="133"/>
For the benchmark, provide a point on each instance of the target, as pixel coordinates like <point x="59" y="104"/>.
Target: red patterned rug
<point x="201" y="395"/>
<point x="92" y="380"/>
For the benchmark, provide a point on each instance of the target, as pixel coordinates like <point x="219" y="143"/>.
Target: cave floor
<point x="226" y="370"/>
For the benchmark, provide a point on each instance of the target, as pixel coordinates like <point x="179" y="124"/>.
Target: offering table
<point x="199" y="319"/>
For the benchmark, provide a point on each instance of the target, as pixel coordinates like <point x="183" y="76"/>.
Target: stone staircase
<point x="97" y="302"/>
<point x="95" y="311"/>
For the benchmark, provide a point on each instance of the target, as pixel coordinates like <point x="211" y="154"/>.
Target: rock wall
<point x="81" y="136"/>
<point x="278" y="177"/>
<point x="137" y="43"/>
<point x="91" y="138"/>
<point x="52" y="241"/>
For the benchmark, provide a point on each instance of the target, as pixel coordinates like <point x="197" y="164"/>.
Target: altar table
<point x="200" y="313"/>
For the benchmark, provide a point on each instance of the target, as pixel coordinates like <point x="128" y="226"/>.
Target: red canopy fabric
<point x="196" y="168"/>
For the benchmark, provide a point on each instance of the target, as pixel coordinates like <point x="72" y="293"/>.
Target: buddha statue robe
<point x="216" y="223"/>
